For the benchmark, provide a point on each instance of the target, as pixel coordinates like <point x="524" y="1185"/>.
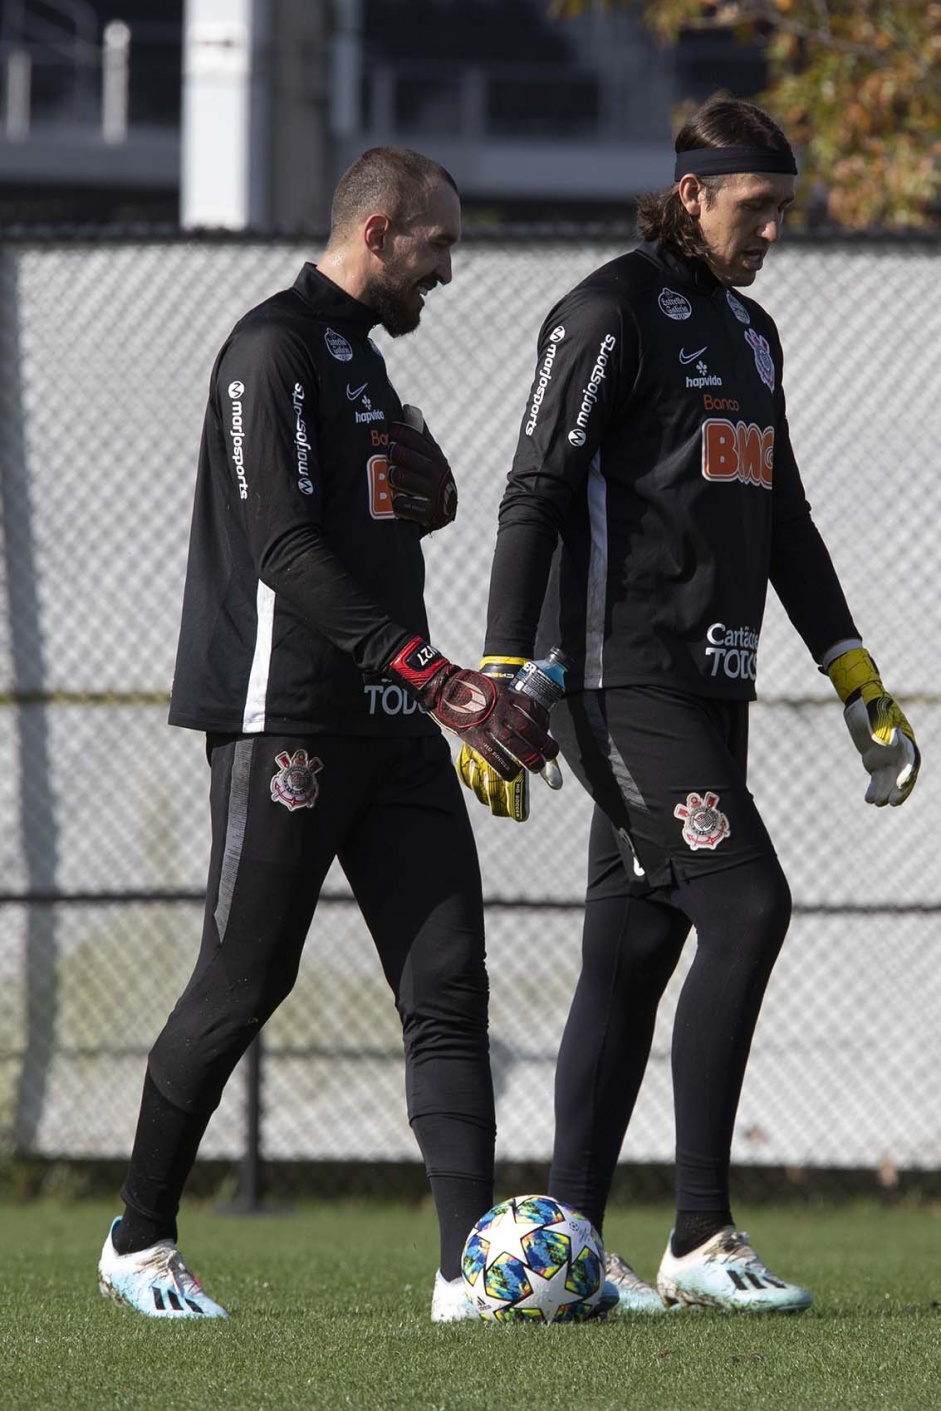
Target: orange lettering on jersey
<point x="749" y="453"/>
<point x="734" y="451"/>
<point x="767" y="457"/>
<point x="719" y="454"/>
<point x="380" y="500"/>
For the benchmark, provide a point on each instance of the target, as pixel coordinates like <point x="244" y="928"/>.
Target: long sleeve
<point x="286" y="486"/>
<point x="586" y="355"/>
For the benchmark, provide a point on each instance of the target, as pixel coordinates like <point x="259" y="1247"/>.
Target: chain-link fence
<point x="104" y="365"/>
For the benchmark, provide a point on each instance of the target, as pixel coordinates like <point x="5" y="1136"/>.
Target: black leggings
<point x="631" y="946"/>
<point x="676" y="842"/>
<point x="392" y="812"/>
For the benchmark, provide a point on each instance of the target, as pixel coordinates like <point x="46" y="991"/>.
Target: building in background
<point x="243" y="113"/>
<point x="537" y="119"/>
<point x="90" y="113"/>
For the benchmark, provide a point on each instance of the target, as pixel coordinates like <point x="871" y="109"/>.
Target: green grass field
<point x="330" y="1309"/>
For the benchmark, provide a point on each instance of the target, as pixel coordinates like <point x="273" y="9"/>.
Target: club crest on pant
<point x="703" y="825"/>
<point x="295" y="784"/>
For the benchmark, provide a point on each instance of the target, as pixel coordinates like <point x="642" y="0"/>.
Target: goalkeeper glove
<point x="420" y="480"/>
<point x="506" y="728"/>
<point x="877" y="727"/>
<point x="504" y="798"/>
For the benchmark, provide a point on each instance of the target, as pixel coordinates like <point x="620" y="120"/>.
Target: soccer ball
<point x="534" y="1258"/>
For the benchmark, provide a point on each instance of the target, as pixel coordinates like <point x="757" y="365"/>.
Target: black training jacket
<point x="300" y="582"/>
<point x="654" y="472"/>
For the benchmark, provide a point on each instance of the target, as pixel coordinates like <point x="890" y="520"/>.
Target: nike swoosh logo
<point x="358" y="393"/>
<point x="684" y="357"/>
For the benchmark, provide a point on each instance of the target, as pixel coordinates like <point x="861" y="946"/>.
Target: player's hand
<point x="878" y="728"/>
<point x="506" y="728"/>
<point x="420" y="479"/>
<point x="506" y="798"/>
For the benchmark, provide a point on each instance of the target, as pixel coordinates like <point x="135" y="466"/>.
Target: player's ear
<point x="376" y="234"/>
<point x="690" y="191"/>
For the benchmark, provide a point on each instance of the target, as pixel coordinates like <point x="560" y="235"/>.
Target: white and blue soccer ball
<point x="534" y="1258"/>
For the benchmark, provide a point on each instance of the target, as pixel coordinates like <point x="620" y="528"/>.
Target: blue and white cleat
<point x="726" y="1273"/>
<point x="154" y="1281"/>
<point x="450" y="1301"/>
<point x="609" y="1302"/>
<point x="634" y="1294"/>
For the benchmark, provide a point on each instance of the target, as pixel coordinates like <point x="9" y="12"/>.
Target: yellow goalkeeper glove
<point x="877" y="726"/>
<point x="505" y="798"/>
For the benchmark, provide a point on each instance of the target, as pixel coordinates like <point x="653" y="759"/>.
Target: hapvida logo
<point x="704" y="377"/>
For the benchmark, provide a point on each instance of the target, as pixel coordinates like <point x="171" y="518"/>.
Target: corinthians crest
<point x="763" y="359"/>
<point x="703" y="825"/>
<point x="295" y="784"/>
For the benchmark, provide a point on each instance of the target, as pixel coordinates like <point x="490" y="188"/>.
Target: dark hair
<point x="723" y="122"/>
<point x="390" y="180"/>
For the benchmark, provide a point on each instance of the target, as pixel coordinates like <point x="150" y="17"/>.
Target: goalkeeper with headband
<point x="653" y="498"/>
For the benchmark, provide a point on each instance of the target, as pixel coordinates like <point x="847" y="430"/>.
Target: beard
<point x="399" y="308"/>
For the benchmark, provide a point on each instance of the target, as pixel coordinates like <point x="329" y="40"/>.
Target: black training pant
<point x="676" y="842"/>
<point x="392" y="811"/>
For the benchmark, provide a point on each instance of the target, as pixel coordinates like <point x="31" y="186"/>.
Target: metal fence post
<point x="19" y="75"/>
<point x="115" y="81"/>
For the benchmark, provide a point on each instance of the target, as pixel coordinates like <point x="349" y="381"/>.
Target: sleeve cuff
<point x="848" y="644"/>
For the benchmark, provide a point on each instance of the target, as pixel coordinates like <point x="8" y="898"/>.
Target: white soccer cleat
<point x="154" y="1281"/>
<point x="726" y="1273"/>
<point x="635" y="1295"/>
<point x="451" y="1302"/>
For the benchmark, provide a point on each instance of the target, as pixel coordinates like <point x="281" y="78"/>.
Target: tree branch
<point x="736" y="12"/>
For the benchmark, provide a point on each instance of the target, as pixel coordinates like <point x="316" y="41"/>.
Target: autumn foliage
<point x="856" y="84"/>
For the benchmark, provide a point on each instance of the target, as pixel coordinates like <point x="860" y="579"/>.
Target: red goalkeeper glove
<point x="506" y="798"/>
<point x="420" y="479"/>
<point x="506" y="728"/>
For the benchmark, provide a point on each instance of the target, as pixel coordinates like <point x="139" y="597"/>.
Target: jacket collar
<point x="332" y="302"/>
<point x="694" y="274"/>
